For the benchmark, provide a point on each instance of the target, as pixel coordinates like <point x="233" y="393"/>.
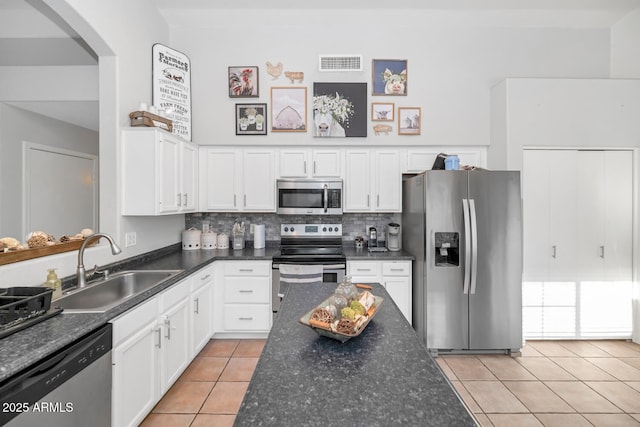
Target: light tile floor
<point x="553" y="383"/>
<point x="210" y="390"/>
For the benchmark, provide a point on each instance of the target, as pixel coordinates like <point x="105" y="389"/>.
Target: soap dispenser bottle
<point x="54" y="283"/>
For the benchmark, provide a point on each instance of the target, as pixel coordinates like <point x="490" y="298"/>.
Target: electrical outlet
<point x="130" y="239"/>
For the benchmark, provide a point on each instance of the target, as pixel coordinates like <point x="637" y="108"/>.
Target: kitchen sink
<point x="102" y="295"/>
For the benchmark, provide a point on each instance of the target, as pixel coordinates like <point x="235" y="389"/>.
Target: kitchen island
<point x="383" y="377"/>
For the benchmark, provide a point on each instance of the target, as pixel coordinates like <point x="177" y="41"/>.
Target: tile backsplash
<point x="353" y="224"/>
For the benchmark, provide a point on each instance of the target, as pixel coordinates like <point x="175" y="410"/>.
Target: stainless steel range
<point x="309" y="253"/>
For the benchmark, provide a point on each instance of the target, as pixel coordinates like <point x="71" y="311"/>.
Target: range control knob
<point x="286" y="229"/>
<point x="324" y="228"/>
<point x="292" y="229"/>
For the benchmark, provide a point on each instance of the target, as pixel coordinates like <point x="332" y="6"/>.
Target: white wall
<point x="454" y="59"/>
<point x="17" y="126"/>
<point x="121" y="32"/>
<point x="451" y="64"/>
<point x="625" y="47"/>
<point x="597" y="113"/>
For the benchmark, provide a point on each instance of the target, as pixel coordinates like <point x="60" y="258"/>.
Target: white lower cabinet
<point x="135" y="378"/>
<point x="152" y="346"/>
<point x="201" y="309"/>
<point x="395" y="276"/>
<point x="174" y="348"/>
<point x="243" y="299"/>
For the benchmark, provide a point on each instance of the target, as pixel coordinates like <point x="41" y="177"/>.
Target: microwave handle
<point x="326" y="198"/>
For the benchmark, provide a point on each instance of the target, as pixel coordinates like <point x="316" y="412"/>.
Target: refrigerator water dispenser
<point x="447" y="249"/>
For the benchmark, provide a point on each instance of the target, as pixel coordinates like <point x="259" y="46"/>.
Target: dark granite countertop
<point x="354" y="254"/>
<point x="30" y="345"/>
<point x="384" y="377"/>
<point x="34" y="343"/>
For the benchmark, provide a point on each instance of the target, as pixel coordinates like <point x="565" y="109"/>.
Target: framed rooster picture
<point x="389" y="77"/>
<point x="243" y="82"/>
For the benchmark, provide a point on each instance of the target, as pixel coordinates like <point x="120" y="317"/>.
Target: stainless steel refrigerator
<point x="465" y="230"/>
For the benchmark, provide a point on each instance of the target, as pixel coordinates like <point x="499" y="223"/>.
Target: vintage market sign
<point x="172" y="87"/>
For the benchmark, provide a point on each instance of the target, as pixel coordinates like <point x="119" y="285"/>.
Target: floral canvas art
<point x="340" y="110"/>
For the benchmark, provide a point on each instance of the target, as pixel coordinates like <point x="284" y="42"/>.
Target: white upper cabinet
<point x="259" y="180"/>
<point x="237" y="180"/>
<point x="159" y="173"/>
<point x="189" y="160"/>
<point x="357" y="183"/>
<point x="303" y="163"/>
<point x="373" y="181"/>
<point x="220" y="179"/>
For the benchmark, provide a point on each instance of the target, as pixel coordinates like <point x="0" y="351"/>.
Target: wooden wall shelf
<point x="25" y="254"/>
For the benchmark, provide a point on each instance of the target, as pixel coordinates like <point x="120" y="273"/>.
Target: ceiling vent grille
<point x="340" y="63"/>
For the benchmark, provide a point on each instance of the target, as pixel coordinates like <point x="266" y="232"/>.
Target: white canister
<point x="191" y="239"/>
<point x="223" y="241"/>
<point x="209" y="240"/>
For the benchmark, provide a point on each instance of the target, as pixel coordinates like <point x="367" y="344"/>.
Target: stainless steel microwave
<point x="309" y="197"/>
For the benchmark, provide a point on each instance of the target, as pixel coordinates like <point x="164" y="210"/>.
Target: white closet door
<point x="562" y="206"/>
<point x="535" y="186"/>
<point x="606" y="284"/>
<point x="590" y="215"/>
<point x="577" y="243"/>
<point x="618" y="205"/>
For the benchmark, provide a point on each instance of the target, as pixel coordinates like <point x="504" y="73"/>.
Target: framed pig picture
<point x="389" y="77"/>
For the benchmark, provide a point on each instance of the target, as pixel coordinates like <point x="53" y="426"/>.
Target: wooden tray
<point x="320" y="330"/>
<point x="25" y="254"/>
<point x="145" y="118"/>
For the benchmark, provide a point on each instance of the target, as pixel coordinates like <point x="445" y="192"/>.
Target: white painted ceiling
<point x="31" y="35"/>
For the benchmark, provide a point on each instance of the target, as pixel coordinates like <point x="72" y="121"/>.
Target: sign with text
<point x="172" y="87"/>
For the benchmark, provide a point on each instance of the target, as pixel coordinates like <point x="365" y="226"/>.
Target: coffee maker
<point x="373" y="237"/>
<point x="393" y="236"/>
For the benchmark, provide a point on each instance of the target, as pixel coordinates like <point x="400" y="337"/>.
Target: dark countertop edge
<point x="24" y="348"/>
<point x="40" y="341"/>
<point x="354" y="254"/>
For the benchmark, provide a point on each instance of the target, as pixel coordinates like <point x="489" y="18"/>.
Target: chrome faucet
<point x="81" y="273"/>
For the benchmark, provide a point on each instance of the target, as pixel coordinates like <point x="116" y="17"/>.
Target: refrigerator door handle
<point x="474" y="245"/>
<point x="467" y="246"/>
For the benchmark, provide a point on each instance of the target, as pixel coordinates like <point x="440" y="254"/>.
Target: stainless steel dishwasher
<point x="70" y="388"/>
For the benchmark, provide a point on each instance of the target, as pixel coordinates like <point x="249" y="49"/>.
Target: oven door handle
<point x="276" y="266"/>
